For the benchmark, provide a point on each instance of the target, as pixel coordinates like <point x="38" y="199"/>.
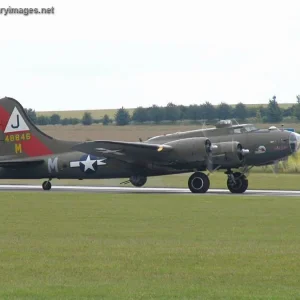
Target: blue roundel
<point x="88" y="163"/>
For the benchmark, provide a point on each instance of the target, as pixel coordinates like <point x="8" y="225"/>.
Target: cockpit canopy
<point x="237" y="128"/>
<point x="224" y="123"/>
<point x="249" y="127"/>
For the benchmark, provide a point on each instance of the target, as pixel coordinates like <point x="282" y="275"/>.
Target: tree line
<point x="272" y="113"/>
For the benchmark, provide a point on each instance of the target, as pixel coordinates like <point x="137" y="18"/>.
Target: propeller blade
<point x="209" y="149"/>
<point x="275" y="167"/>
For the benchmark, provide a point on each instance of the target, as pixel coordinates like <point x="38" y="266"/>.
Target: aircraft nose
<point x="294" y="141"/>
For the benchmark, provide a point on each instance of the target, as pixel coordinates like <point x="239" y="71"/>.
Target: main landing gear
<point x="237" y="182"/>
<point x="46" y="185"/>
<point x="136" y="180"/>
<point x="199" y="183"/>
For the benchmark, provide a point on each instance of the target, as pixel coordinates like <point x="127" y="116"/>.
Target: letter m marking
<point x="52" y="164"/>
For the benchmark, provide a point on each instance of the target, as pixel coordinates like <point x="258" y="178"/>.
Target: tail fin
<point x="19" y="136"/>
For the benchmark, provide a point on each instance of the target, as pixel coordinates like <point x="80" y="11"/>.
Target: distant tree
<point x="194" y="112"/>
<point x="65" y="121"/>
<point x="298" y="99"/>
<point x="263" y="111"/>
<point x="55" y="119"/>
<point x="252" y="111"/>
<point x="258" y="116"/>
<point x="296" y="111"/>
<point x="106" y="120"/>
<point x="74" y="121"/>
<point x="31" y="114"/>
<point x="42" y="120"/>
<point x="183" y="112"/>
<point x="87" y="119"/>
<point x="274" y="113"/>
<point x="208" y="111"/>
<point x="224" y="111"/>
<point x="240" y="111"/>
<point x="122" y="117"/>
<point x="156" y="113"/>
<point x="172" y="112"/>
<point x="140" y="115"/>
<point x="289" y="111"/>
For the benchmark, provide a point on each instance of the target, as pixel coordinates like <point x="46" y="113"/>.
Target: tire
<point x="241" y="184"/>
<point x="138" y="181"/>
<point x="46" y="185"/>
<point x="199" y="183"/>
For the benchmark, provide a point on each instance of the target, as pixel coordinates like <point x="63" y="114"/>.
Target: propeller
<point x="209" y="150"/>
<point x="241" y="151"/>
<point x="275" y="168"/>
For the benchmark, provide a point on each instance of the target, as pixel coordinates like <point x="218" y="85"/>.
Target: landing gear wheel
<point x="199" y="183"/>
<point x="46" y="185"/>
<point x="138" y="180"/>
<point x="240" y="185"/>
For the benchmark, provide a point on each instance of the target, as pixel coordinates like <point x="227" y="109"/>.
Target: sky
<point x="109" y="54"/>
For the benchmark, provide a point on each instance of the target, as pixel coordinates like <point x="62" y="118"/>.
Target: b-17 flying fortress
<point x="28" y="153"/>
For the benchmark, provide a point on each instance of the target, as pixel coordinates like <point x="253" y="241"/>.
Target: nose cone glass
<point x="294" y="142"/>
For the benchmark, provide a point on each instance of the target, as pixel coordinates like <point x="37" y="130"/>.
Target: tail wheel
<point x="239" y="185"/>
<point x="46" y="185"/>
<point x="199" y="183"/>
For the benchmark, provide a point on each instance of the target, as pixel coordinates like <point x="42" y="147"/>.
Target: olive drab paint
<point x="26" y="152"/>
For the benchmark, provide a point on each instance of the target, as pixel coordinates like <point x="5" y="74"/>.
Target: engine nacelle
<point x="191" y="149"/>
<point x="229" y="153"/>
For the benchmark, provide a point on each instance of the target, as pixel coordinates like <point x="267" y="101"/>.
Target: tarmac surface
<point x="144" y="190"/>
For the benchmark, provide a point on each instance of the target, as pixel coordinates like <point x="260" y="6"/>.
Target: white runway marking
<point x="145" y="190"/>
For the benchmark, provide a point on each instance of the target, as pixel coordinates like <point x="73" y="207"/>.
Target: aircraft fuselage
<point x="264" y="146"/>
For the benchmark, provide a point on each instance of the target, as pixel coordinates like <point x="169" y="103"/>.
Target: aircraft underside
<point x="198" y="181"/>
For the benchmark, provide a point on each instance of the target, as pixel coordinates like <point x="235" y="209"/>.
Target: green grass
<point x="106" y="246"/>
<point x="257" y="180"/>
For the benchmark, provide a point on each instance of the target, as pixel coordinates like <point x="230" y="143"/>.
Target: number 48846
<point x="18" y="137"/>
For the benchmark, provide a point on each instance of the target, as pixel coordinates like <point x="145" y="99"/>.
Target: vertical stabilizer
<point x="20" y="137"/>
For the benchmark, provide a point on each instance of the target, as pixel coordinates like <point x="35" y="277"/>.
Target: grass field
<point x="105" y="246"/>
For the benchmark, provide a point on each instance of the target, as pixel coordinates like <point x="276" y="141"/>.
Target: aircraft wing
<point x="125" y="151"/>
<point x="20" y="162"/>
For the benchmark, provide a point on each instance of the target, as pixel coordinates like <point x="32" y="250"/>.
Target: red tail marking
<point x="32" y="147"/>
<point x="4" y="117"/>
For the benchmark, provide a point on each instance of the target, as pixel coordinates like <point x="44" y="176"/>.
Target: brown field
<point x="124" y="133"/>
<point x="112" y="132"/>
<point x="99" y="113"/>
<point x="96" y="114"/>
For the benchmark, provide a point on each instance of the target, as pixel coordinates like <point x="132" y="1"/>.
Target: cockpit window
<point x="237" y="130"/>
<point x="249" y="128"/>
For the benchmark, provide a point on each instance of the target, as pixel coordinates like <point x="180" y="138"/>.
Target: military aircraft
<point x="28" y="153"/>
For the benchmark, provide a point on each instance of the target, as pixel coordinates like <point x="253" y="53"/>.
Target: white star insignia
<point x="88" y="164"/>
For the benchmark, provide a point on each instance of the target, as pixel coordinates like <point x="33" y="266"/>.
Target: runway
<point x="144" y="190"/>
